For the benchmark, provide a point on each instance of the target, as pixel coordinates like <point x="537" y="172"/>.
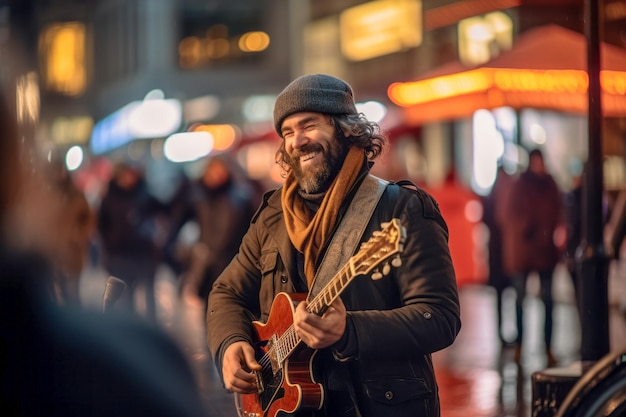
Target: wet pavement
<point x="477" y="377"/>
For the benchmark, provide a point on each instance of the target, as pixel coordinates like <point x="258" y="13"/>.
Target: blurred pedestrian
<point x="573" y="209"/>
<point x="492" y="209"/>
<point x="63" y="360"/>
<point x="76" y="221"/>
<point x="131" y="227"/>
<point x="221" y="204"/>
<point x="532" y="213"/>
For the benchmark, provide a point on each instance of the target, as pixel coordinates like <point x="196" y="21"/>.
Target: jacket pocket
<point x="397" y="390"/>
<point x="397" y="397"/>
<point x="267" y="262"/>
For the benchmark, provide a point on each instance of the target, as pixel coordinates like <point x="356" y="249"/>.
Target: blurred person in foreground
<point x="531" y="214"/>
<point x="373" y="343"/>
<point x="221" y="203"/>
<point x="130" y="225"/>
<point x="59" y="360"/>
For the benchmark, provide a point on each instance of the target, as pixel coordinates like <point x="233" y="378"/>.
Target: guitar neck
<point x="284" y="345"/>
<point x="331" y="290"/>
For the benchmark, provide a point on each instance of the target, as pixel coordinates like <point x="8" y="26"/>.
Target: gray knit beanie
<point x="318" y="93"/>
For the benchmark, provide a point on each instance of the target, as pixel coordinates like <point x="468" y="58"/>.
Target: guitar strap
<point x="344" y="243"/>
<point x="349" y="232"/>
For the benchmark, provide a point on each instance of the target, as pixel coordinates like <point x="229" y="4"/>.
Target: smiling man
<point x="353" y="348"/>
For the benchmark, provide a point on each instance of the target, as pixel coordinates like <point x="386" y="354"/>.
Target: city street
<point x="138" y="132"/>
<point x="476" y="376"/>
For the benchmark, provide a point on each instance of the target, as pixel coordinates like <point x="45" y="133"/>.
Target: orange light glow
<point x="462" y="93"/>
<point x="190" y="52"/>
<point x="254" y="41"/>
<point x="224" y="136"/>
<point x="613" y="82"/>
<point x="549" y="81"/>
<point x="62" y="46"/>
<point x="412" y="93"/>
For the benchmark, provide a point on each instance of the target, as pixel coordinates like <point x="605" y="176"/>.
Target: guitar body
<point x="290" y="387"/>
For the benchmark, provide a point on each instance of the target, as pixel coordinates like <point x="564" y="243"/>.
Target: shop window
<point x="484" y="37"/>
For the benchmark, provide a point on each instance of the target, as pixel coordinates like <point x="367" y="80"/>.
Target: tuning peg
<point x="377" y="275"/>
<point x="396" y="261"/>
<point x="386" y="269"/>
<point x="385" y="224"/>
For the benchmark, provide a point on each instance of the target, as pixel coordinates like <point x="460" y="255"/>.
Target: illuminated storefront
<point x="543" y="83"/>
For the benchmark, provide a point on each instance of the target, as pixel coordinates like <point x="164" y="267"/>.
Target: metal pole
<point x="591" y="258"/>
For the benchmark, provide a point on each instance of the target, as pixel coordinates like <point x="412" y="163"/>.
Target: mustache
<point x="311" y="147"/>
<point x="293" y="159"/>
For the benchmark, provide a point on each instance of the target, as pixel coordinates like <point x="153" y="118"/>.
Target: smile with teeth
<point x="308" y="156"/>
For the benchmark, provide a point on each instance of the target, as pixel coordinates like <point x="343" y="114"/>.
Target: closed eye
<point x="286" y="134"/>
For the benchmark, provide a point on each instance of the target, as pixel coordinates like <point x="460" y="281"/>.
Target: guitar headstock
<point x="382" y="246"/>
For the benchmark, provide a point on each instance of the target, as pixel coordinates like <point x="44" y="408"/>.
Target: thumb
<point x="249" y="357"/>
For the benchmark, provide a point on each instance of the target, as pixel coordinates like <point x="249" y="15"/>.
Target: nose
<point x="300" y="138"/>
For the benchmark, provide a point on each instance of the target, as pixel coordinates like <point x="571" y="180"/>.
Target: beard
<point x="316" y="179"/>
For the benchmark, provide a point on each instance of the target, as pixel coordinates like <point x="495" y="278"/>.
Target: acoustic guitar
<point x="286" y="382"/>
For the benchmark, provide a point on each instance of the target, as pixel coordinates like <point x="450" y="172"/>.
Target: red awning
<point x="546" y="68"/>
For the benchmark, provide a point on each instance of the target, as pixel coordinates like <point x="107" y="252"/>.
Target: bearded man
<point x="353" y="347"/>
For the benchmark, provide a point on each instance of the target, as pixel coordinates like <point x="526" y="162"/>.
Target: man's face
<point x="312" y="150"/>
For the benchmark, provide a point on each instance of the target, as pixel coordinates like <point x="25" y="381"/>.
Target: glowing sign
<point x="464" y="92"/>
<point x="380" y="27"/>
<point x="63" y="49"/>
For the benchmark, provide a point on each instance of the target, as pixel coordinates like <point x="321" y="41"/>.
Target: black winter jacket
<point x="393" y="324"/>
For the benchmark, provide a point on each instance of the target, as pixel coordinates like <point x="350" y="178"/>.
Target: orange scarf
<point x="308" y="232"/>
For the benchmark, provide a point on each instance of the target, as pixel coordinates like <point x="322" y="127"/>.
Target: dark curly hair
<point x="362" y="133"/>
